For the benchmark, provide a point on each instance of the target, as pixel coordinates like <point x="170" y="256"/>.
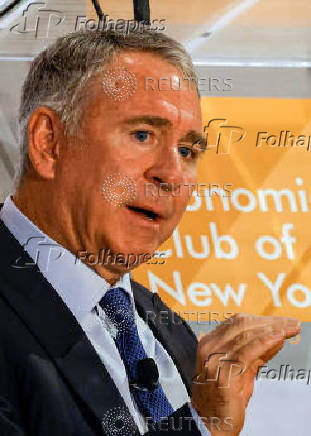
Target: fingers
<point x="259" y="344"/>
<point x="262" y="347"/>
<point x="237" y="370"/>
<point x="242" y="323"/>
<point x="229" y="358"/>
<point x="262" y="338"/>
<point x="246" y="336"/>
<point x="270" y="332"/>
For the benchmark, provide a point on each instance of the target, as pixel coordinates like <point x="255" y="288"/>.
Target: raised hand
<point x="227" y="363"/>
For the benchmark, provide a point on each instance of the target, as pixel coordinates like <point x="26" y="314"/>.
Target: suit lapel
<point x="171" y="331"/>
<point x="52" y="324"/>
<point x="45" y="315"/>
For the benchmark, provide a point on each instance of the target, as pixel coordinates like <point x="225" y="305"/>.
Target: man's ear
<point x="45" y="136"/>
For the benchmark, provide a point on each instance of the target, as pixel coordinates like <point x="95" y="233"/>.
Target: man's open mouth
<point x="149" y="214"/>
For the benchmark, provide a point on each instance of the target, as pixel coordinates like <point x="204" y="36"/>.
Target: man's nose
<point x="167" y="171"/>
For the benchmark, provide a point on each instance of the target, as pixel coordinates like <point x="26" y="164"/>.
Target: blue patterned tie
<point x="117" y="306"/>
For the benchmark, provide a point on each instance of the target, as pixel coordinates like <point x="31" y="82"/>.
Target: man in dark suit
<point x="85" y="350"/>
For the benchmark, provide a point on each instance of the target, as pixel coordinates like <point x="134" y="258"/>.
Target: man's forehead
<point x="143" y="62"/>
<point x="155" y="73"/>
<point x="121" y="89"/>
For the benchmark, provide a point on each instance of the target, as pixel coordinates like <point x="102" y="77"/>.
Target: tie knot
<point x="117" y="305"/>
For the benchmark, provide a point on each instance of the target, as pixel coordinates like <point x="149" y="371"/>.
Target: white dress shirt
<point x="81" y="289"/>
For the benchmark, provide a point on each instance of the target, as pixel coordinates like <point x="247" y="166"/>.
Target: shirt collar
<point x="80" y="287"/>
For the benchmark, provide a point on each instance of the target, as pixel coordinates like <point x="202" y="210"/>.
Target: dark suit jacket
<point x="52" y="381"/>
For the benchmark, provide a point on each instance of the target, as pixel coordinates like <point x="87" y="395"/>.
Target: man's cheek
<point x="176" y="219"/>
<point x="183" y="202"/>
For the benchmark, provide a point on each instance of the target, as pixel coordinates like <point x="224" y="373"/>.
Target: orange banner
<point x="244" y="243"/>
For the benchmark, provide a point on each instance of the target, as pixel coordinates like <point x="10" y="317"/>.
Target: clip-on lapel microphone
<point x="147" y="375"/>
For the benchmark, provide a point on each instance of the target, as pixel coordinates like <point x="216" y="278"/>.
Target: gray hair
<point x="58" y="75"/>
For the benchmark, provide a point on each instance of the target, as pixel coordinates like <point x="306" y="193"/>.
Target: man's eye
<point x="141" y="135"/>
<point x="186" y="152"/>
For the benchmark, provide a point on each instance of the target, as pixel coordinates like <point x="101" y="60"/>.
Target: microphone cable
<point x="98" y="9"/>
<point x="141" y="10"/>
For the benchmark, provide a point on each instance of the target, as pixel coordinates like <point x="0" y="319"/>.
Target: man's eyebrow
<point x="148" y="119"/>
<point x="196" y="138"/>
